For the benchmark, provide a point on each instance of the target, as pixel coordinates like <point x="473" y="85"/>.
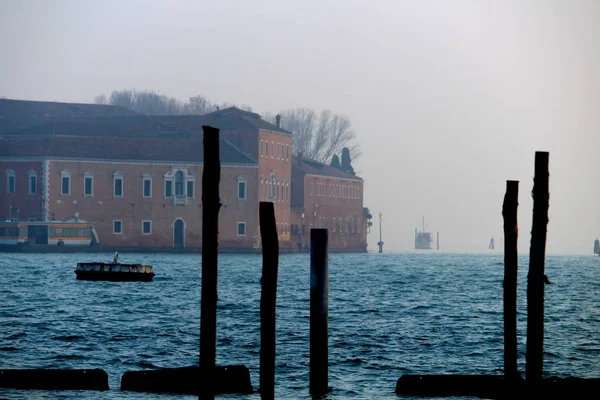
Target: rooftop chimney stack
<point x="278" y="121"/>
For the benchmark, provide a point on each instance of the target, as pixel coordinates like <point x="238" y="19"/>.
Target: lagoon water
<point x="389" y="314"/>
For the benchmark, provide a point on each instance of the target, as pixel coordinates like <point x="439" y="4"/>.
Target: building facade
<point x="137" y="179"/>
<point x="327" y="197"/>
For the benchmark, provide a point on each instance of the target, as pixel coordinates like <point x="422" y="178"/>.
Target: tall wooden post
<point x="270" y="252"/>
<point x="211" y="204"/>
<point x="535" y="277"/>
<point x="319" y="299"/>
<point x="511" y="233"/>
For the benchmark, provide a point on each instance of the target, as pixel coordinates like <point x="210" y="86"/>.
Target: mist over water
<point x="389" y="314"/>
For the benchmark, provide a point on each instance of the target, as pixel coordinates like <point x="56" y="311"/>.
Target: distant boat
<point x="423" y="240"/>
<point x="492" y="246"/>
<point x="597" y="247"/>
<point x="96" y="271"/>
<point x="114" y="272"/>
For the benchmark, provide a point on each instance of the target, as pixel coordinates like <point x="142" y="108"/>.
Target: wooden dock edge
<point x="187" y="380"/>
<point x="493" y="387"/>
<point x="54" y="379"/>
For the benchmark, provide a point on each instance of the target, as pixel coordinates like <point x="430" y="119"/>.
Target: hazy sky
<point x="449" y="99"/>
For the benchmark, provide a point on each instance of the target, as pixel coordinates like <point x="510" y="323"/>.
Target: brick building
<point x="138" y="178"/>
<point x="327" y="197"/>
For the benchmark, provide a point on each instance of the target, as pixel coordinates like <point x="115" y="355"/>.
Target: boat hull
<point x="114" y="272"/>
<point x="114" y="276"/>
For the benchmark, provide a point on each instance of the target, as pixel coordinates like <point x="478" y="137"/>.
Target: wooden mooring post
<point x="211" y="176"/>
<point x="270" y="253"/>
<point x="535" y="277"/>
<point x="319" y="299"/>
<point x="509" y="213"/>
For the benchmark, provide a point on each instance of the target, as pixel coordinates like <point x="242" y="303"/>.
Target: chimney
<point x="278" y="121"/>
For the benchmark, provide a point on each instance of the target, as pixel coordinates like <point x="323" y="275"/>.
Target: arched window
<point x="179" y="183"/>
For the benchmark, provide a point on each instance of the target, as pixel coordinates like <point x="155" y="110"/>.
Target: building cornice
<point x="108" y="161"/>
<point x="334" y="178"/>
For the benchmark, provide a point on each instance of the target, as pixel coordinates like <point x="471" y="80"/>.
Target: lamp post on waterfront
<point x="380" y="243"/>
<point x="302" y="233"/>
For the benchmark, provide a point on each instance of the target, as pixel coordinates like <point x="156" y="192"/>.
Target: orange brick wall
<point x="29" y="205"/>
<point x="102" y="208"/>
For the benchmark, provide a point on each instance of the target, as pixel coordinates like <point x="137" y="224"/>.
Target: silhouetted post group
<point x="211" y="176"/>
<point x="270" y="254"/>
<point x="509" y="213"/>
<point x="319" y="294"/>
<point x="535" y="277"/>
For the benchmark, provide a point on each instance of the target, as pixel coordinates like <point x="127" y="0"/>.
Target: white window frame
<point x="32" y="174"/>
<point x="118" y="176"/>
<point x="65" y="174"/>
<point x="88" y="175"/>
<point x="146" y="177"/>
<point x="193" y="182"/>
<point x="242" y="179"/>
<point x="165" y="188"/>
<point x="10" y="173"/>
<point x="121" y="222"/>
<point x="143" y="222"/>
<point x="237" y="230"/>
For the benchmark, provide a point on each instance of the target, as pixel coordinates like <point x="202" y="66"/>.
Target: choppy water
<point x="390" y="314"/>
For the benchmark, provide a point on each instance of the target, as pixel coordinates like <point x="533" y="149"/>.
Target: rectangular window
<point x="66" y="185"/>
<point x="117" y="227"/>
<point x="261" y="148"/>
<point x="272" y="149"/>
<point x="241" y="229"/>
<point x="147" y="188"/>
<point x="118" y="187"/>
<point x="32" y="184"/>
<point x="146" y="227"/>
<point x="190" y="189"/>
<point x="11" y="185"/>
<point x="88" y="189"/>
<point x="241" y="190"/>
<point x="168" y="188"/>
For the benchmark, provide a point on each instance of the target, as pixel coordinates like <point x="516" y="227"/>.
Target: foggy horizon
<point x="448" y="100"/>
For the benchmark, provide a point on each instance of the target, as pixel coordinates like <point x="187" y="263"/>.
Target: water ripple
<point x="390" y="314"/>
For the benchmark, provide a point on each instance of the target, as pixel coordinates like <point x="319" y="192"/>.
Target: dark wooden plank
<point x="54" y="379"/>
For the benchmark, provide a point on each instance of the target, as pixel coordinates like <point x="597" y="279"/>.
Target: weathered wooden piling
<point x="211" y="204"/>
<point x="54" y="379"/>
<point x="511" y="232"/>
<point x="535" y="277"/>
<point x="319" y="293"/>
<point x="188" y="380"/>
<point x="270" y="254"/>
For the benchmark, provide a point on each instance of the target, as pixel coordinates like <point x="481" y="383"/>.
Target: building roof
<point x="118" y="148"/>
<point x="21" y="114"/>
<point x="134" y="125"/>
<point x="301" y="165"/>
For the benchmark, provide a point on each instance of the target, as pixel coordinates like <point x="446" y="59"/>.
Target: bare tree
<point x="318" y="138"/>
<point x="101" y="99"/>
<point x="198" y="105"/>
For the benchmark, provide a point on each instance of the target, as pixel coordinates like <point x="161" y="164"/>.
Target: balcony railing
<point x="179" y="200"/>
